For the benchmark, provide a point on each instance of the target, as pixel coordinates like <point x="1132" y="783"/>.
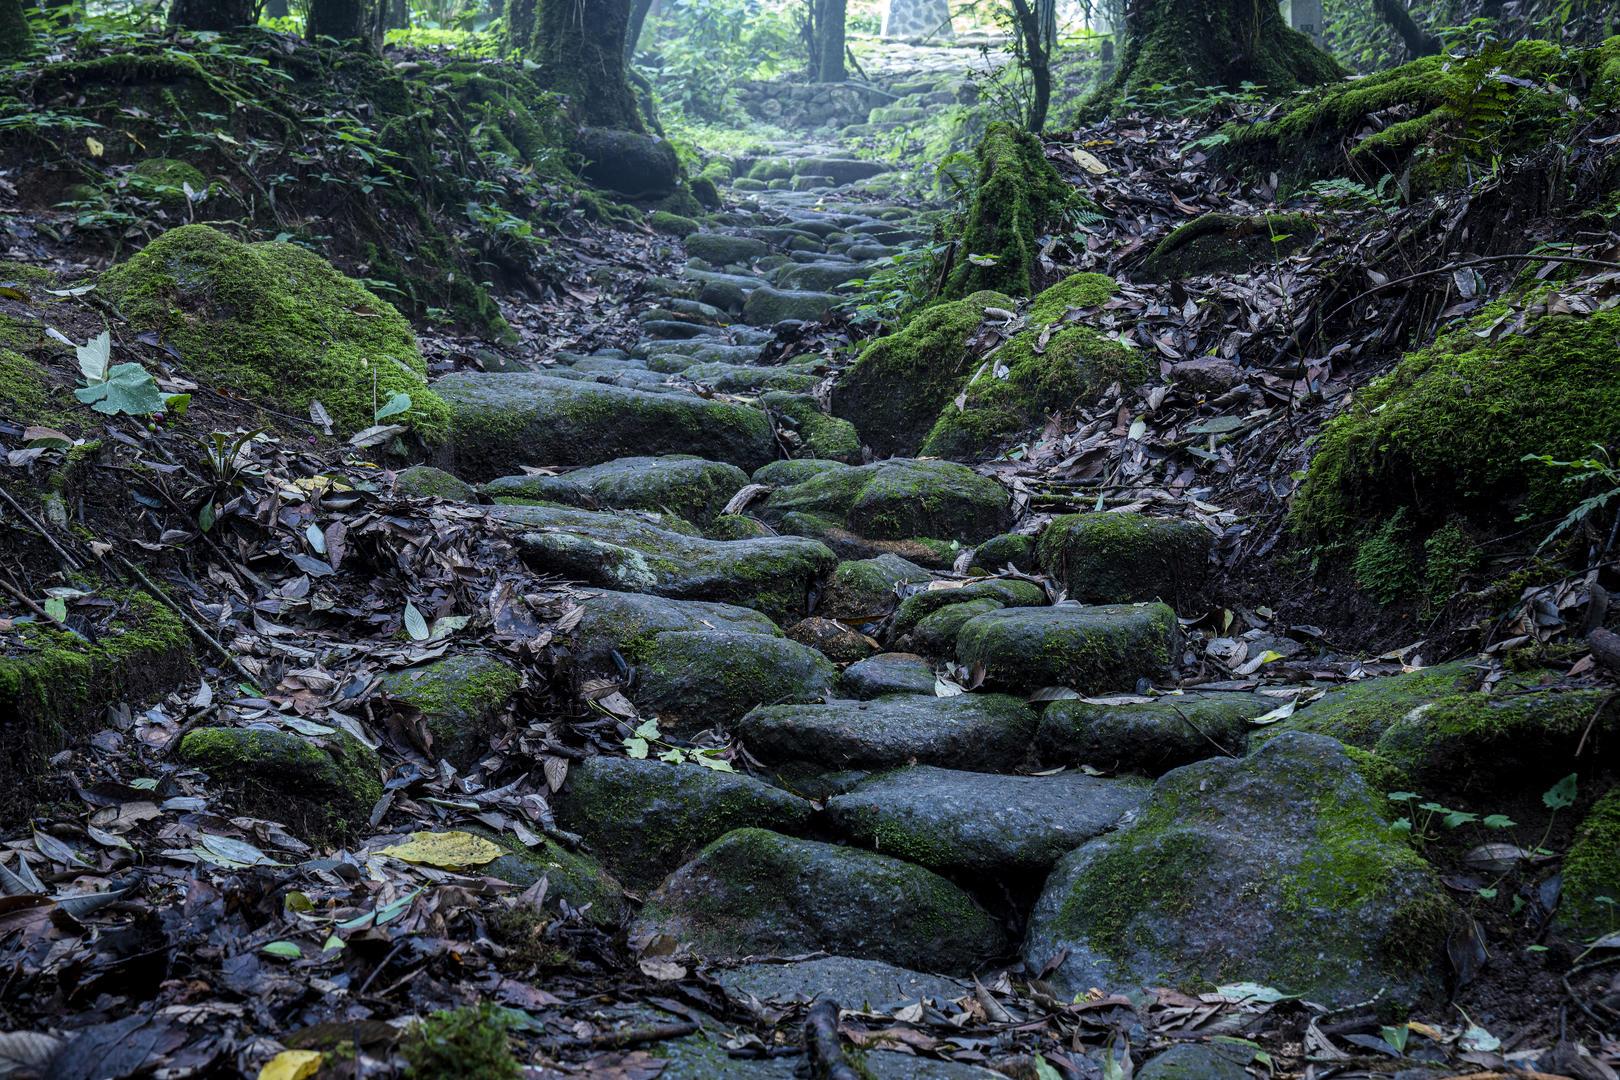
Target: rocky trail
<point x="702" y="690"/>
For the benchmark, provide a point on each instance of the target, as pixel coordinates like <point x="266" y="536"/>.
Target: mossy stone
<point x="722" y="249"/>
<point x="499" y="420"/>
<point x="1277" y="869"/>
<point x="427" y="482"/>
<point x="864" y="588"/>
<point x="328" y="788"/>
<point x="687" y="486"/>
<point x="811" y="431"/>
<point x="1359" y="713"/>
<point x="864" y="985"/>
<point x="1105" y="558"/>
<point x="1008" y="592"/>
<point x="276" y="322"/>
<point x="756" y="892"/>
<point x="1149" y="737"/>
<point x="630" y="623"/>
<point x="672" y="224"/>
<point x="166" y="180"/>
<point x="462" y="699"/>
<point x="1221" y="243"/>
<point x="1198" y="1061"/>
<point x="795" y="471"/>
<point x="1009" y="549"/>
<point x="1592" y="870"/>
<point x="1016" y="193"/>
<point x="979" y="732"/>
<point x="899" y="499"/>
<point x="627" y="162"/>
<point x="935" y="633"/>
<point x="766" y="306"/>
<point x="744" y="378"/>
<point x="887" y="673"/>
<point x="737" y="527"/>
<point x="644" y="818"/>
<point x="1089" y="648"/>
<point x="571" y="876"/>
<point x="697" y="678"/>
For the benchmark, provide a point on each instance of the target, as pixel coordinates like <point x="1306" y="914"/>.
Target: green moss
<point x="18" y="273"/>
<point x="1379" y="774"/>
<point x="1590" y="902"/>
<point x="1449" y="554"/>
<point x="1358" y="714"/>
<point x="577" y="878"/>
<point x="818" y="435"/>
<point x="167" y="180"/>
<point x="461" y="698"/>
<point x="276" y="322"/>
<point x="1075" y="291"/>
<point x="672" y="224"/>
<point x="1228" y="242"/>
<point x="1384" y="564"/>
<point x="1017" y="193"/>
<point x="1446" y="432"/>
<point x="328" y="792"/>
<point x="1009" y="592"/>
<point x="1014" y="549"/>
<point x="27" y="393"/>
<point x="427" y="482"/>
<point x="1109" y="558"/>
<point x="462" y="1042"/>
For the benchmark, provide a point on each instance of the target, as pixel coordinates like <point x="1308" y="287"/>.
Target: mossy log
<point x="1018" y="192"/>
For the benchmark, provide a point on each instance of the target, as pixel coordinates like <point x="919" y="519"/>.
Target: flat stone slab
<point x="981" y="732"/>
<point x="677" y="483"/>
<point x="504" y="419"/>
<point x="771" y="574"/>
<point x="1089" y="648"/>
<point x="629" y="624"/>
<point x="887" y="673"/>
<point x="866" y="985"/>
<point x="1152" y="736"/>
<point x="900" y="499"/>
<point x="757" y="893"/>
<point x="978" y="823"/>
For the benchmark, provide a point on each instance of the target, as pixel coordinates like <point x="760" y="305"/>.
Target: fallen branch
<point x="823" y="1046"/>
<point x="185" y="616"/>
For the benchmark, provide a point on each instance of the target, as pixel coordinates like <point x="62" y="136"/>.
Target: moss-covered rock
<point x="811" y="431"/>
<point x="865" y="985"/>
<point x="427" y="482"/>
<point x="680" y="484"/>
<point x="571" y="876"/>
<point x="1123" y="558"/>
<point x="737" y="527"/>
<point x="166" y="180"/>
<point x="1199" y="1061"/>
<point x="672" y="224"/>
<point x="1008" y="592"/>
<point x="1017" y="193"/>
<point x="756" y="892"/>
<point x="698" y="678"/>
<point x="644" y="818"/>
<point x="794" y="471"/>
<point x="935" y="633"/>
<point x="898" y="499"/>
<point x="628" y="162"/>
<point x="773" y="574"/>
<point x="1480" y="743"/>
<point x="1358" y="714"/>
<point x="1016" y="550"/>
<point x="1227" y="243"/>
<point x="899" y="382"/>
<point x="1045" y="367"/>
<point x="766" y="306"/>
<point x="864" y="589"/>
<point x="327" y="787"/>
<point x="1087" y="647"/>
<point x="887" y="673"/>
<point x="276" y="322"/>
<point x="462" y="700"/>
<point x="748" y="379"/>
<point x="55" y="686"/>
<point x="979" y="732"/>
<point x="1590" y="899"/>
<point x="832" y="639"/>
<point x="978" y="824"/>
<point x="1277" y="869"/>
<point x="723" y="249"/>
<point x="506" y="419"/>
<point x="630" y="623"/>
<point x="1149" y="737"/>
<point x="1445" y="434"/>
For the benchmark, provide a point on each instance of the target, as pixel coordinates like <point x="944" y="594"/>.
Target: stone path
<point x="904" y="827"/>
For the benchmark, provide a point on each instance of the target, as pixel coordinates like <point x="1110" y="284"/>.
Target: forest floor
<point x="643" y="810"/>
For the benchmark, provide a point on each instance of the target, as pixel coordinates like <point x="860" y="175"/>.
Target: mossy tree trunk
<point x="580" y="46"/>
<point x="1192" y="43"/>
<point x="344" y="20"/>
<point x="15" y="37"/>
<point x="827" y="63"/>
<point x="216" y="15"/>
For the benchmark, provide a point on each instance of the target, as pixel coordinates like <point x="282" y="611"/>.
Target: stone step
<point x="977" y="732"/>
<point x="680" y="484"/>
<point x="1088" y="648"/>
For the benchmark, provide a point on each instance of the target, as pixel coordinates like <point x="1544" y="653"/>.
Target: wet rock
<point x="867" y="985"/>
<point x="1123" y="558"/>
<point x="832" y="639"/>
<point x="722" y="249"/>
<point x="498" y="421"/>
<point x="754" y="892"/>
<point x="1009" y="549"/>
<point x="820" y="276"/>
<point x="676" y="483"/>
<point x="627" y="162"/>
<point x="981" y="732"/>
<point x="1006" y="592"/>
<point x="1278" y="869"/>
<point x="1208" y="375"/>
<point x="1149" y="737"/>
<point x="697" y="678"/>
<point x="1197" y="1061"/>
<point x="899" y="499"/>
<point x="976" y="823"/>
<point x="887" y="673"/>
<point x="864" y="588"/>
<point x="462" y="699"/>
<point x="767" y="306"/>
<point x="841" y="170"/>
<point x="327" y="786"/>
<point x="1084" y="647"/>
<point x="745" y="378"/>
<point x="935" y="634"/>
<point x="772" y="574"/>
<point x="426" y="482"/>
<point x="643" y="818"/>
<point x="794" y="471"/>
<point x="629" y="624"/>
<point x="1358" y="714"/>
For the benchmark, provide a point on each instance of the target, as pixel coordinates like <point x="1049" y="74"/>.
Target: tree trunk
<point x="16" y="39"/>
<point x="638" y="19"/>
<point x="1037" y="59"/>
<point x="580" y="47"/>
<point x="276" y="9"/>
<point x="829" y="65"/>
<point x="1417" y="42"/>
<point x="344" y="20"/>
<point x="216" y="15"/>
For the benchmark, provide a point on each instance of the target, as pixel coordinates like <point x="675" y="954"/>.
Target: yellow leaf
<point x="94" y="146"/>
<point x="446" y="850"/>
<point x="292" y="1065"/>
<point x="1087" y="161"/>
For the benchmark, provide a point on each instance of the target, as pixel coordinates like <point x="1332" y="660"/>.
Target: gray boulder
<point x="981" y="732"/>
<point x="868" y="985"/>
<point x="767" y="306"/>
<point x="676" y="483"/>
<point x="1088" y="648"/>
<point x="629" y="624"/>
<point x="887" y="673"/>
<point x="1150" y="737"/>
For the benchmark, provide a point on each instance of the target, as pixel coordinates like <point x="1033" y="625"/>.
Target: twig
<point x="1200" y="730"/>
<point x="196" y="627"/>
<point x="26" y="599"/>
<point x="72" y="562"/>
<point x="821" y="1043"/>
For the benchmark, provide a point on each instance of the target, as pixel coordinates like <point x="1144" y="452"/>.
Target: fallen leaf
<point x="447" y="850"/>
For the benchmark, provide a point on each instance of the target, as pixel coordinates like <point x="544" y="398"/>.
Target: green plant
<point x="1598" y="470"/>
<point x="1423" y="817"/>
<point x="110" y="388"/>
<point x="647" y="735"/>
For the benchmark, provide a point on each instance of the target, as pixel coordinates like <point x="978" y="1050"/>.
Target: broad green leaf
<point x="636" y="748"/>
<point x="648" y="728"/>
<point x="415" y="624"/>
<point x="1561" y="795"/>
<point x="56" y="608"/>
<point x="94" y="356"/>
<point x="286" y="950"/>
<point x="128" y="389"/>
<point x="397" y="404"/>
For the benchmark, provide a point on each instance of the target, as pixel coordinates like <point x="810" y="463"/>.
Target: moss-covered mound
<point x="902" y="379"/>
<point x="1018" y="192"/>
<point x="1590" y="901"/>
<point x="1216" y="243"/>
<point x="462" y="700"/>
<point x="1103" y="558"/>
<point x="898" y="499"/>
<point x="276" y="322"/>
<point x="328" y="789"/>
<point x="1447" y="431"/>
<point x="1046" y="367"/>
<point x="1435" y="115"/>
